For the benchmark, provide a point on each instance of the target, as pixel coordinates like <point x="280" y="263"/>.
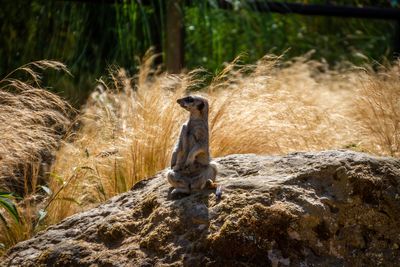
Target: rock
<point x="332" y="208"/>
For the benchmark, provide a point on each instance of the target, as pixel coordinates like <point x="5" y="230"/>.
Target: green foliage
<point x="215" y="36"/>
<point x="6" y="202"/>
<point x="46" y="189"/>
<point x="89" y="37"/>
<point x="41" y="215"/>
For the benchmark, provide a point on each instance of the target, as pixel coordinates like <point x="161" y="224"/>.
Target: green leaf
<point x="47" y="190"/>
<point x="6" y="195"/>
<point x="2" y="246"/>
<point x="42" y="214"/>
<point x="58" y="178"/>
<point x="9" y="206"/>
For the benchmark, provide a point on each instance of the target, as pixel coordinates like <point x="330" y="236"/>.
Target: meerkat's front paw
<point x="188" y="163"/>
<point x="176" y="168"/>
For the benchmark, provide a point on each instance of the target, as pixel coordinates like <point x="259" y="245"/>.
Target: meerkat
<point x="191" y="169"/>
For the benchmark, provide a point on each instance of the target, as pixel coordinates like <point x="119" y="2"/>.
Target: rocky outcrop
<point x="333" y="208"/>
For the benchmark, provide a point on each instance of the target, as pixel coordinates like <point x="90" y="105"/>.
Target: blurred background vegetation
<point x="90" y="37"/>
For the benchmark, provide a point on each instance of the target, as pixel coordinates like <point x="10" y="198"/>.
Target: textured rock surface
<point x="333" y="208"/>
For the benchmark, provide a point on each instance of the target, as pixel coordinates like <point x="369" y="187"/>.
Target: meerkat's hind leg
<point x="179" y="184"/>
<point x="175" y="179"/>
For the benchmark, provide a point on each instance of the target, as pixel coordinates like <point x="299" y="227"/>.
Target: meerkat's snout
<point x="180" y="101"/>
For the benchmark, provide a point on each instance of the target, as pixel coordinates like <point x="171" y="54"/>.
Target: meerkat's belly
<point x="203" y="158"/>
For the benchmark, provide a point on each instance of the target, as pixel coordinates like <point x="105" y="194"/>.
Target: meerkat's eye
<point x="189" y="99"/>
<point x="200" y="106"/>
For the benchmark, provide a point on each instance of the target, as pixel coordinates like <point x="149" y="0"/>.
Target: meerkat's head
<point x="196" y="105"/>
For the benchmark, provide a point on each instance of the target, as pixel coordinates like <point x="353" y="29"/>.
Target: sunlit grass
<point x="377" y="107"/>
<point x="32" y="122"/>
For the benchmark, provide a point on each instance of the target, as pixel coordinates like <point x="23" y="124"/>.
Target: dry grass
<point x="377" y="107"/>
<point x="32" y="122"/>
<point x="129" y="125"/>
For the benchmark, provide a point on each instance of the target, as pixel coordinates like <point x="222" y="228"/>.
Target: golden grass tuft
<point x="377" y="107"/>
<point x="32" y="123"/>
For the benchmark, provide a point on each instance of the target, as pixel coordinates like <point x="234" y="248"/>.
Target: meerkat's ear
<point x="200" y="106"/>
